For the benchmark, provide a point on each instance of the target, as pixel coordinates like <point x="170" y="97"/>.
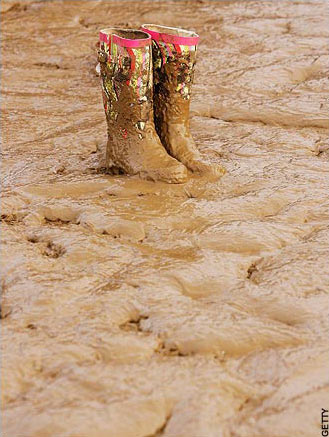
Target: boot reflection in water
<point x="174" y="57"/>
<point x="133" y="146"/>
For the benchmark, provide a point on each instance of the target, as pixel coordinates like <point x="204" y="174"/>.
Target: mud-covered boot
<point x="133" y="146"/>
<point x="174" y="57"/>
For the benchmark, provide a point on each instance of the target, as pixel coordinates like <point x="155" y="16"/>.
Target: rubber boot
<point x="174" y="57"/>
<point x="126" y="72"/>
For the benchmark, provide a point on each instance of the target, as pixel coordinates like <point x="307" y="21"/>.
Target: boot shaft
<point x="174" y="58"/>
<point x="126" y="74"/>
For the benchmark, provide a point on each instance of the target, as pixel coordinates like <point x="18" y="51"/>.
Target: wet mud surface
<point x="137" y="309"/>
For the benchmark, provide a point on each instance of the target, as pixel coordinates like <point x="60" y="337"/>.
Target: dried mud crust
<point x="132" y="308"/>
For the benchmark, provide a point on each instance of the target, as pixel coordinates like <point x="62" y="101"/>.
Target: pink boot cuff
<point x="108" y="35"/>
<point x="172" y="35"/>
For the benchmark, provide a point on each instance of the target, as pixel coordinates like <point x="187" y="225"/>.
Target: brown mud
<point x="137" y="309"/>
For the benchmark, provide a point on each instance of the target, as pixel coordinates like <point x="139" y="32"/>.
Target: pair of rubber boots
<point x="148" y="123"/>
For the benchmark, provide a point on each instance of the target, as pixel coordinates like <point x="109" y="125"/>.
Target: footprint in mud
<point x="288" y="311"/>
<point x="224" y="330"/>
<point x="232" y="339"/>
<point x="211" y="276"/>
<point x="301" y="395"/>
<point x="11" y="208"/>
<point x="250" y="237"/>
<point x="198" y="415"/>
<point x="47" y="248"/>
<point x="5" y="309"/>
<point x="63" y="213"/>
<point x="302" y="262"/>
<point x="116" y="227"/>
<point x="127" y="348"/>
<point x="146" y="414"/>
<point x="93" y="219"/>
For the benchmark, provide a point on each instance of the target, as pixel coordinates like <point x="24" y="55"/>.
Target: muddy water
<point x="133" y="308"/>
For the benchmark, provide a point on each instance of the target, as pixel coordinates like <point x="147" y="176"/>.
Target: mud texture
<point x="137" y="309"/>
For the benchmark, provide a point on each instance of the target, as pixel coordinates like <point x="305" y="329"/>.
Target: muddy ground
<point x="139" y="309"/>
